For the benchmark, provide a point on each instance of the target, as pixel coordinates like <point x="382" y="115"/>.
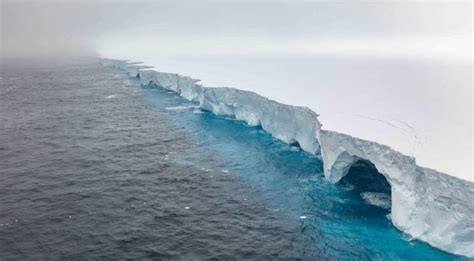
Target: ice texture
<point x="426" y="204"/>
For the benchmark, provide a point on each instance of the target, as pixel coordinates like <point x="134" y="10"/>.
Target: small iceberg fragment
<point x="113" y="96"/>
<point x="294" y="148"/>
<point x="377" y="199"/>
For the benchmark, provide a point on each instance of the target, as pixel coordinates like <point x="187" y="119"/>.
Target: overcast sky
<point x="431" y="29"/>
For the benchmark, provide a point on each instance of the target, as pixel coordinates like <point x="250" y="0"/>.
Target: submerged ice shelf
<point x="428" y="205"/>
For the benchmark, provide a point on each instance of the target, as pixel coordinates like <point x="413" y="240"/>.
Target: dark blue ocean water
<point x="95" y="167"/>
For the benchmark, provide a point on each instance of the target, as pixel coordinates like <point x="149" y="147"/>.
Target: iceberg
<point x="426" y="204"/>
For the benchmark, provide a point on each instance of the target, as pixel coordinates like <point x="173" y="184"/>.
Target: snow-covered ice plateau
<point x="427" y="204"/>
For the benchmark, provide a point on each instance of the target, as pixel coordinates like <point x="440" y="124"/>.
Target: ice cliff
<point x="428" y="205"/>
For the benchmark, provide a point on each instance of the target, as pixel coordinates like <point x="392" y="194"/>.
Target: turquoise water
<point x="334" y="217"/>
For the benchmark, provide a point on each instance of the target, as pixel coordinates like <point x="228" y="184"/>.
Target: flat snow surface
<point x="422" y="108"/>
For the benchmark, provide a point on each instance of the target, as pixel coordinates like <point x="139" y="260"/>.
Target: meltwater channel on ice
<point x="428" y="205"/>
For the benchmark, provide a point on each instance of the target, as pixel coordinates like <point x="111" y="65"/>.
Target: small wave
<point x="381" y="200"/>
<point x="274" y="209"/>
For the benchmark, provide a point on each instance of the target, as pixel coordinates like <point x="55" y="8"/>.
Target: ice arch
<point x="339" y="152"/>
<point x="367" y="183"/>
<point x="426" y="204"/>
<point x="361" y="173"/>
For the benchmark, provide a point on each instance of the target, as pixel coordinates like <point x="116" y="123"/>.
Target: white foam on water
<point x="181" y="107"/>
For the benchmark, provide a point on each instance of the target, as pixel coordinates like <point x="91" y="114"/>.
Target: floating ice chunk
<point x="377" y="199"/>
<point x="294" y="148"/>
<point x="113" y="96"/>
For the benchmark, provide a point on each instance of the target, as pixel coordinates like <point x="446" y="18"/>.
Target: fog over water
<point x="399" y="73"/>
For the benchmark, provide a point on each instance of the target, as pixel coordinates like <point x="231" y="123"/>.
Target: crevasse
<point x="426" y="204"/>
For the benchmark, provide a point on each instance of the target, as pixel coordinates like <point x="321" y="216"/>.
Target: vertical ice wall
<point x="428" y="205"/>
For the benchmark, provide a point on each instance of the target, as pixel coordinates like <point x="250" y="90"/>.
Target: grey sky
<point x="70" y="27"/>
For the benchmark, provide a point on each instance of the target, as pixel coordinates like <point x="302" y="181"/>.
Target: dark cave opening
<point x="369" y="189"/>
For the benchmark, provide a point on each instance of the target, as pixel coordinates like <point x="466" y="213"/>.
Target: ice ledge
<point x="428" y="205"/>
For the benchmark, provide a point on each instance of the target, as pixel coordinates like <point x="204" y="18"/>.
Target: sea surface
<point x="95" y="167"/>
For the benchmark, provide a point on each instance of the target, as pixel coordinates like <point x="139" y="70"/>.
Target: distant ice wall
<point x="428" y="205"/>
